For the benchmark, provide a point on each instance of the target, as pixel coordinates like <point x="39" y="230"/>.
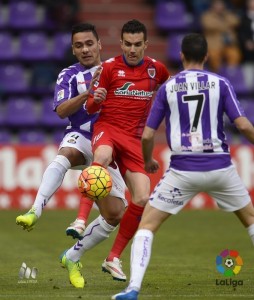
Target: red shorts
<point x="126" y="149"/>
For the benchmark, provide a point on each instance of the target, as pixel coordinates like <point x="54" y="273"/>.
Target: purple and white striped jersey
<point x="71" y="82"/>
<point x="193" y="103"/>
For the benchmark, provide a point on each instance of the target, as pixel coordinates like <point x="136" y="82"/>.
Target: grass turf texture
<point x="182" y="264"/>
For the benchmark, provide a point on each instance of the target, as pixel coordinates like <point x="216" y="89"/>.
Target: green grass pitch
<point x="182" y="264"/>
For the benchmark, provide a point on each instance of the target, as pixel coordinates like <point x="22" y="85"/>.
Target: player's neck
<point x="195" y="66"/>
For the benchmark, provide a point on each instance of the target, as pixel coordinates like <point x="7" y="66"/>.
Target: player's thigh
<point x="228" y="189"/>
<point x="139" y="187"/>
<point x="102" y="145"/>
<point x="77" y="148"/>
<point x="112" y="209"/>
<point x="175" y="190"/>
<point x="131" y="155"/>
<point x="246" y="214"/>
<point x="102" y="135"/>
<point x="152" y="218"/>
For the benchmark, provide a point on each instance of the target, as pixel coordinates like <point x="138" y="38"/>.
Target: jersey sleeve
<point x="158" y="110"/>
<point x="65" y="88"/>
<point x="91" y="106"/>
<point x="232" y="106"/>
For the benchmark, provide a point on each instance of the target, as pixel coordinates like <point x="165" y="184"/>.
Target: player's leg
<point x="141" y="250"/>
<point x="164" y="201"/>
<point x="51" y="181"/>
<point x="112" y="209"/>
<point x="102" y="145"/>
<point x="139" y="187"/>
<point x="77" y="228"/>
<point x="246" y="216"/>
<point x="96" y="232"/>
<point x="69" y="155"/>
<point x="231" y="195"/>
<point x="103" y="155"/>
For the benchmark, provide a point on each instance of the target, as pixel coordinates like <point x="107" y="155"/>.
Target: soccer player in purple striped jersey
<point x="71" y="93"/>
<point x="193" y="104"/>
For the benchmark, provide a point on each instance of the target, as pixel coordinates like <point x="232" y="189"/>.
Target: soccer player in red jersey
<point x="123" y="94"/>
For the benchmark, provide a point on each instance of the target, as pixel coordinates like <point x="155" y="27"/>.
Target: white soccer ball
<point x="229" y="262"/>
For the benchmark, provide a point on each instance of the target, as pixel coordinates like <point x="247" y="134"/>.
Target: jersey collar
<point x="139" y="64"/>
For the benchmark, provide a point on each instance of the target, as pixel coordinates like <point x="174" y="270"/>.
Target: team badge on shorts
<point x="72" y="141"/>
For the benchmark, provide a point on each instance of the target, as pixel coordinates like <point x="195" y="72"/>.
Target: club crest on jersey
<point x="151" y="72"/>
<point x="60" y="95"/>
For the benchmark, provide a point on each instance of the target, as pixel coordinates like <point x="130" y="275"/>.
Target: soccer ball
<point x="229" y="262"/>
<point x="95" y="182"/>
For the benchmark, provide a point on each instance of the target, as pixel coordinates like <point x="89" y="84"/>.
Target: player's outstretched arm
<point x="151" y="165"/>
<point x="72" y="105"/>
<point x="245" y="127"/>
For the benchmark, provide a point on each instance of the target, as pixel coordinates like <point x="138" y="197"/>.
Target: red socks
<point x="97" y="164"/>
<point x="85" y="206"/>
<point x="128" y="226"/>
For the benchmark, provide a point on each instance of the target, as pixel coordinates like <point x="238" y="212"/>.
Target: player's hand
<point x="95" y="78"/>
<point x="96" y="75"/>
<point x="99" y="95"/>
<point x="152" y="166"/>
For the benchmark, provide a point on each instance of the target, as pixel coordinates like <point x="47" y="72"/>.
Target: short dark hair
<point x="134" y="26"/>
<point x="194" y="47"/>
<point x="84" y="27"/>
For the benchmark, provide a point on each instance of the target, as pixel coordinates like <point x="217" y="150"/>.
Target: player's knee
<point x="74" y="156"/>
<point x="103" y="159"/>
<point x="102" y="156"/>
<point x="113" y="219"/>
<point x="141" y="201"/>
<point x="114" y="215"/>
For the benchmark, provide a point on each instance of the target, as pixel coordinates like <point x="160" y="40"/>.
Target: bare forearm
<point x="147" y="149"/>
<point x="72" y="105"/>
<point x="151" y="165"/>
<point x="246" y="128"/>
<point x="147" y="143"/>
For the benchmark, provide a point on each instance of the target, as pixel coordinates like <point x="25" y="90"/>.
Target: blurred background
<point x="35" y="45"/>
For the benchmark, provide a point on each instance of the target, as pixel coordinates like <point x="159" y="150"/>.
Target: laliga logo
<point x="229" y="263"/>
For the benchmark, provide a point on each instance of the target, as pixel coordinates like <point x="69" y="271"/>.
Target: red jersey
<point x="129" y="93"/>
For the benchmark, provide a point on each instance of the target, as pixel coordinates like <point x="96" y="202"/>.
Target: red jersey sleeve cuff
<point x="91" y="106"/>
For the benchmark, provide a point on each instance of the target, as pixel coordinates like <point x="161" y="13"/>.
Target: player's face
<point x="133" y="46"/>
<point x="86" y="49"/>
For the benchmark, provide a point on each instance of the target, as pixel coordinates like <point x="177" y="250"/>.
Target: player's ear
<point x="146" y="44"/>
<point x="72" y="50"/>
<point x="99" y="43"/>
<point x="206" y="58"/>
<point x="121" y="44"/>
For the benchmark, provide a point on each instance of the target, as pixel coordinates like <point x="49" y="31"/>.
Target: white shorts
<point x="177" y="188"/>
<point x="78" y="141"/>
